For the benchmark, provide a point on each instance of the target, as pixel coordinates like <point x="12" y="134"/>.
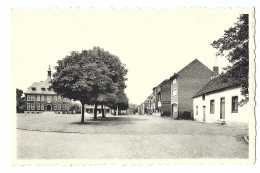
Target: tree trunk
<point x="102" y="110"/>
<point x="82" y="113"/>
<point x="95" y="112"/>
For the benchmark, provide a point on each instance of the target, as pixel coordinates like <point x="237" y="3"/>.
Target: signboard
<point x="166" y="102"/>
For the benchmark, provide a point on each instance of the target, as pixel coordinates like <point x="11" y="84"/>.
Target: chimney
<point x="215" y="68"/>
<point x="215" y="72"/>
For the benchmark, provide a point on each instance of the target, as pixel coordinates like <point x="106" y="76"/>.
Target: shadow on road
<point x="109" y="121"/>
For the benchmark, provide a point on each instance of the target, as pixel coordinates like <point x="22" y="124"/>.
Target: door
<point x="48" y="107"/>
<point x="204" y="113"/>
<point x="222" y="108"/>
<point x="174" y="110"/>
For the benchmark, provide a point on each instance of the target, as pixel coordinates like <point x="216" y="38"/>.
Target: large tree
<point x="88" y="76"/>
<point x="112" y="79"/>
<point x="74" y="78"/>
<point x="234" y="46"/>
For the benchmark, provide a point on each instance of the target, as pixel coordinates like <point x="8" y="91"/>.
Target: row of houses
<point x="199" y="93"/>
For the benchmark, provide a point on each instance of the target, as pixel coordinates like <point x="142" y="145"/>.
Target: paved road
<point x="125" y="137"/>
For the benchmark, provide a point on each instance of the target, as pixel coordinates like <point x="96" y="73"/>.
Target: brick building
<point x="40" y="97"/>
<point x="166" y="98"/>
<point x="185" y="84"/>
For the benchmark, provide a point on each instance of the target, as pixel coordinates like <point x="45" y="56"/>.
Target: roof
<point x="38" y="87"/>
<point x="193" y="63"/>
<point x="218" y="83"/>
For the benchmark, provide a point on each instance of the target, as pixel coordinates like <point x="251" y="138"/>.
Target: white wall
<point x="241" y="116"/>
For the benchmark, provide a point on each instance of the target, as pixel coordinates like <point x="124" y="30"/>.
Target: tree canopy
<point x="91" y="76"/>
<point x="20" y="101"/>
<point x="234" y="46"/>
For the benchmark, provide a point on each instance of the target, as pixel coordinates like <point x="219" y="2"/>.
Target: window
<point x="212" y="106"/>
<point x="43" y="89"/>
<point x="42" y="107"/>
<point x="203" y="97"/>
<point x="49" y="89"/>
<point x="38" y="98"/>
<point x="235" y="104"/>
<point x="28" y="98"/>
<point x="174" y="92"/>
<point x="32" y="98"/>
<point x="64" y="99"/>
<point x="59" y="107"/>
<point x="174" y="81"/>
<point x="55" y="98"/>
<point x="33" y="88"/>
<point x="42" y="98"/>
<point x="55" y="107"/>
<point x="64" y="107"/>
<point x="28" y="106"/>
<point x="38" y="106"/>
<point x="197" y="111"/>
<point x="32" y="106"/>
<point x="59" y="98"/>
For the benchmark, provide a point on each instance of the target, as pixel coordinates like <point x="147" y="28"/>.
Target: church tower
<point x="49" y="74"/>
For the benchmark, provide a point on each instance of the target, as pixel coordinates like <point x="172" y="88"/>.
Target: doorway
<point x="48" y="107"/>
<point x="204" y="113"/>
<point x="174" y="111"/>
<point x="222" y="108"/>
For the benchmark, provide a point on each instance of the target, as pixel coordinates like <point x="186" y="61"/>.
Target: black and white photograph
<point x="133" y="86"/>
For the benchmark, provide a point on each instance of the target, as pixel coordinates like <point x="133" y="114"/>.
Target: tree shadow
<point x="107" y="121"/>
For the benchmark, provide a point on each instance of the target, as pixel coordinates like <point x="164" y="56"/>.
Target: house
<point x="184" y="85"/>
<point x="166" y="98"/>
<point x="140" y="109"/>
<point x="40" y="97"/>
<point x="218" y="102"/>
<point x="157" y="97"/>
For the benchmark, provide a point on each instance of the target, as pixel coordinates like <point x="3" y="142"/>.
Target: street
<point x="62" y="136"/>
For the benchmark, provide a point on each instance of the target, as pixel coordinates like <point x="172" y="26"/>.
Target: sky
<point x="153" y="43"/>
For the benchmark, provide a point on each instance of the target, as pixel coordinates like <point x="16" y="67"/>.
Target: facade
<point x="40" y="97"/>
<point x="184" y="85"/>
<point x="218" y="102"/>
<point x="166" y="98"/>
<point x="90" y="109"/>
<point x="157" y="98"/>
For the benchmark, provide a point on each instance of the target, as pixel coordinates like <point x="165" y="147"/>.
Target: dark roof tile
<point x="218" y="83"/>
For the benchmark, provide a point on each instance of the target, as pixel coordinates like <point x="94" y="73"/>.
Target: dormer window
<point x="43" y="89"/>
<point x="33" y="88"/>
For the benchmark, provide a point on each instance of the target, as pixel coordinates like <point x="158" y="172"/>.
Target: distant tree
<point x="121" y="102"/>
<point x="234" y="46"/>
<point x="20" y="101"/>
